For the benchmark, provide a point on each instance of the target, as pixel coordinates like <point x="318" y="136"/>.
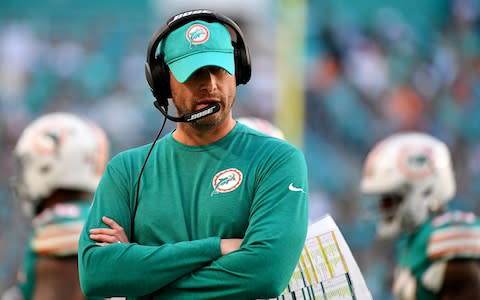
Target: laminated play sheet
<point x="326" y="269"/>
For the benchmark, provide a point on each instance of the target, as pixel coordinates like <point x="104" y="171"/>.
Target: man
<point x="220" y="211"/>
<point x="411" y="174"/>
<point x="61" y="158"/>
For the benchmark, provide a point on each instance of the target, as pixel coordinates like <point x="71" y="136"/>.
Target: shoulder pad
<point x="454" y="241"/>
<point x="454" y="217"/>
<point x="57" y="239"/>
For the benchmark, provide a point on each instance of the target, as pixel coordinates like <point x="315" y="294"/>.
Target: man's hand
<point x="114" y="234"/>
<point x="229" y="245"/>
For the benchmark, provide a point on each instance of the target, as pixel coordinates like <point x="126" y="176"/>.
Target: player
<point x="412" y="176"/>
<point x="61" y="157"/>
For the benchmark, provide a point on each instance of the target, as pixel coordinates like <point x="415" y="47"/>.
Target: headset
<point x="156" y="70"/>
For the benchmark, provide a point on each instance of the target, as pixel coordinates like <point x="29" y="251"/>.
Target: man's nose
<point x="208" y="79"/>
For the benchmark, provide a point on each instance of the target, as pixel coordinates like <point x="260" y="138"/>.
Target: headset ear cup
<point x="242" y="66"/>
<point x="148" y="75"/>
<point x="238" y="66"/>
<point x="246" y="67"/>
<point x="161" y="82"/>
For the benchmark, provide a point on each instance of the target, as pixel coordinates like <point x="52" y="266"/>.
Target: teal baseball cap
<point x="195" y="45"/>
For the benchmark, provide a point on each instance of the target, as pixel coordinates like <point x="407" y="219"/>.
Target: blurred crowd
<point x="388" y="75"/>
<point x="364" y="79"/>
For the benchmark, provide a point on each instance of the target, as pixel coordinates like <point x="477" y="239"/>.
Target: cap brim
<point x="183" y="68"/>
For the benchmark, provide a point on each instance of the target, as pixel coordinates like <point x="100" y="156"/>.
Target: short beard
<point x="203" y="124"/>
<point x="210" y="121"/>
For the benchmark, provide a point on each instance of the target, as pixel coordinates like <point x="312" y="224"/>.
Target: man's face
<point x="206" y="86"/>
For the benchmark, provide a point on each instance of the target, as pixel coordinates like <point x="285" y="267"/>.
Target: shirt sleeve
<point x="272" y="245"/>
<point x="143" y="269"/>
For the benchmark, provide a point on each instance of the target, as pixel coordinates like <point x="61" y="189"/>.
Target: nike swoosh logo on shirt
<point x="294" y="188"/>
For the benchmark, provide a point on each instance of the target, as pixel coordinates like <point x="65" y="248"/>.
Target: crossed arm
<point x="116" y="234"/>
<point x="201" y="269"/>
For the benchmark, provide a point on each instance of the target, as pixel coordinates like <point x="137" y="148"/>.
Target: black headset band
<point x="156" y="70"/>
<point x="187" y="16"/>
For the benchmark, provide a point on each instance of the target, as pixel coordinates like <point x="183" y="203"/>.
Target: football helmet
<point x="58" y="151"/>
<point x="263" y="126"/>
<point x="411" y="176"/>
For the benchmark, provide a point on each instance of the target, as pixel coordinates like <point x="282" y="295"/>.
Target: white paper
<point x="326" y="268"/>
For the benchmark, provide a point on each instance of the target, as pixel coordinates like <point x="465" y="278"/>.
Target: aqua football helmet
<point x="58" y="151"/>
<point x="411" y="176"/>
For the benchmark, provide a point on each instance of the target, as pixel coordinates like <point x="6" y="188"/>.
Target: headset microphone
<point x="190" y="117"/>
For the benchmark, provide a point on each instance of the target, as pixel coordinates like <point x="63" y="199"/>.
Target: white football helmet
<point x="59" y="150"/>
<point x="412" y="175"/>
<point x="263" y="126"/>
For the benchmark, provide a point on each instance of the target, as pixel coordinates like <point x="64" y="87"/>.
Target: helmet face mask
<point x="58" y="151"/>
<point x="399" y="212"/>
<point x="411" y="176"/>
<point x="389" y="204"/>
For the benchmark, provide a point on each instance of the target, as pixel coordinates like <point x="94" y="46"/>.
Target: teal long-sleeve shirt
<point x="246" y="185"/>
